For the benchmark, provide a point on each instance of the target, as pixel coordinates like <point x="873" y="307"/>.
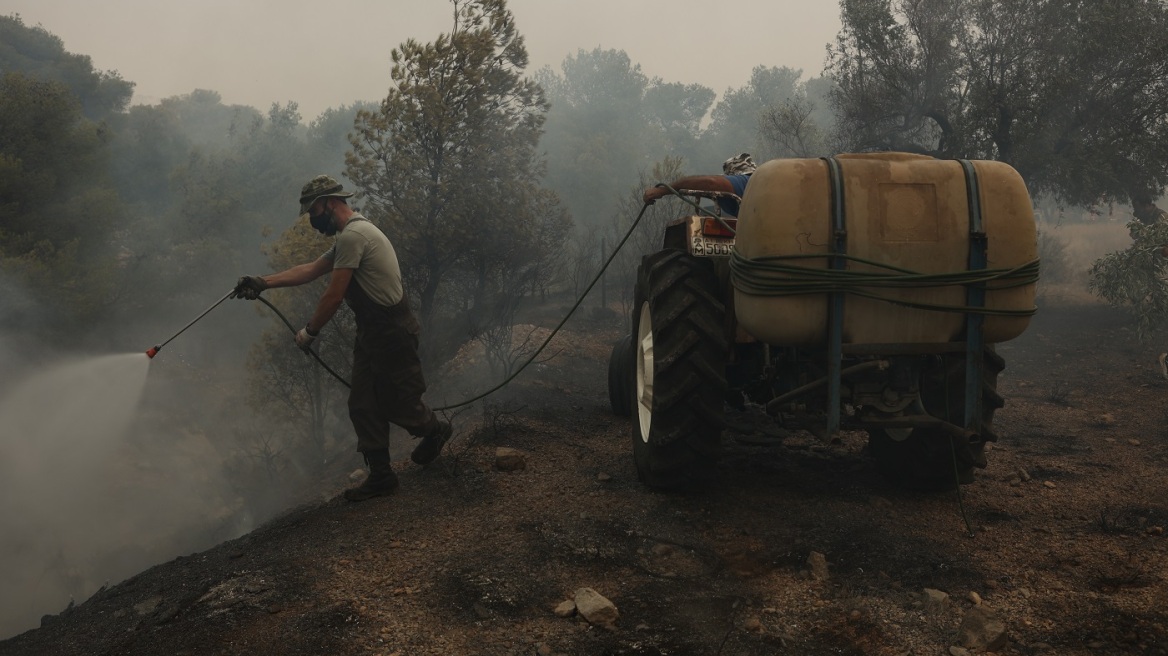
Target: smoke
<point x="1070" y="240"/>
<point x="110" y="464"/>
<point x="96" y="485"/>
<point x="58" y="440"/>
<point x="21" y="319"/>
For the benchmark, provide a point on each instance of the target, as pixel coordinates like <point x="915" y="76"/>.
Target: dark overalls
<point x="387" y="384"/>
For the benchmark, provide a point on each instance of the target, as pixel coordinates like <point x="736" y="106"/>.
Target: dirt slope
<point x="1068" y="550"/>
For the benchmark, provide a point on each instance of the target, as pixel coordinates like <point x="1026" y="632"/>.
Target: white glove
<point x="304" y="339"/>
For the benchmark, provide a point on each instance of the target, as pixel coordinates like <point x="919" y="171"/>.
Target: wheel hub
<point x="645" y="371"/>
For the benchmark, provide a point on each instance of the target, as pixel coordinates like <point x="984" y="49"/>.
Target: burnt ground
<point x="1068" y="546"/>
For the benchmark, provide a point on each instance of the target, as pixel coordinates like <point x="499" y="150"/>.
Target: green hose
<point x="780" y="275"/>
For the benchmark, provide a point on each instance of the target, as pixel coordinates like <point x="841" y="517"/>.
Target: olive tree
<point x="1071" y="93"/>
<point x="802" y="125"/>
<point x="1136" y="279"/>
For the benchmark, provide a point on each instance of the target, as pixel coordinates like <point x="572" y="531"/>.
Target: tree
<point x="1069" y="92"/>
<point x="789" y="131"/>
<point x="218" y="204"/>
<point x="647" y="237"/>
<point x="41" y="55"/>
<point x="676" y="110"/>
<point x="597" y="132"/>
<point x="801" y="126"/>
<point x="608" y="121"/>
<point x="448" y="162"/>
<point x="206" y="121"/>
<point x="56" y="211"/>
<point x="148" y="144"/>
<point x="735" y="121"/>
<point x="328" y="134"/>
<point x="288" y="386"/>
<point x="1136" y="279"/>
<point x="45" y="146"/>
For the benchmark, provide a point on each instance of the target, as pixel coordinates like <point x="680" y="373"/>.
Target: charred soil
<point x="1067" y="547"/>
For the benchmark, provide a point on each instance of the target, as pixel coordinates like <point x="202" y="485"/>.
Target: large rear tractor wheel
<point x="924" y="458"/>
<point x="622" y="372"/>
<point x="680" y="353"/>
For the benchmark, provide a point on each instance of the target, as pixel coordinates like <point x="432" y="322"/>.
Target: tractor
<point x="860" y="292"/>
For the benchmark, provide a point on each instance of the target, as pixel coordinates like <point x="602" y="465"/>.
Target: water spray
<point x="150" y="353"/>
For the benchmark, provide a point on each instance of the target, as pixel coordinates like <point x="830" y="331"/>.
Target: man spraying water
<point x="387" y="381"/>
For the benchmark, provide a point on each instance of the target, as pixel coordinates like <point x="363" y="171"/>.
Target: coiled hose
<point x="780" y="275"/>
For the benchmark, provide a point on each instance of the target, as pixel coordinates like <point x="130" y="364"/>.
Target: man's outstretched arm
<point x="695" y="182"/>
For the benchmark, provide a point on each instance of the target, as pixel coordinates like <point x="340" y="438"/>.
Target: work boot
<point x="381" y="480"/>
<point x="431" y="445"/>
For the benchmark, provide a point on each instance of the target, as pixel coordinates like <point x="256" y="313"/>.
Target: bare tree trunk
<point x="426" y="298"/>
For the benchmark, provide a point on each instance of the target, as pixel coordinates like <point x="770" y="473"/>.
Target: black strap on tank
<point x="835" y="315"/>
<point x="975" y="297"/>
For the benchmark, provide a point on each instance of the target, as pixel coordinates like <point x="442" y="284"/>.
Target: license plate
<point x="712" y="246"/>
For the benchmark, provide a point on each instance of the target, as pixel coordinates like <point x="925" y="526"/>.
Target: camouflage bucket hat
<point x="739" y="165"/>
<point x="321" y="186"/>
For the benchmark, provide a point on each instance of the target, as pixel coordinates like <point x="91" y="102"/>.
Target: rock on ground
<point x="595" y="607"/>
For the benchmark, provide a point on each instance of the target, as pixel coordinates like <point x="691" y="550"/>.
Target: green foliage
<point x="328" y="135"/>
<point x="802" y="125"/>
<point x="1134" y="279"/>
<point x="1069" y="92"/>
<point x="607" y="122"/>
<point x="59" y="216"/>
<point x="292" y="390"/>
<point x="155" y="147"/>
<point x="234" y="195"/>
<point x="212" y="204"/>
<point x="448" y="162"/>
<point x="204" y="120"/>
<point x="56" y="213"/>
<point x="676" y="110"/>
<point x="148" y="144"/>
<point x="735" y="121"/>
<point x="44" y="138"/>
<point x="597" y="130"/>
<point x="36" y="53"/>
<point x="287" y="386"/>
<point x="74" y="192"/>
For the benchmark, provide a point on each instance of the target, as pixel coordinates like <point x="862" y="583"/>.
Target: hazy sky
<point x="326" y="54"/>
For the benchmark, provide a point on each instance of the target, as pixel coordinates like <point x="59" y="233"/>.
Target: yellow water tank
<point x="906" y="211"/>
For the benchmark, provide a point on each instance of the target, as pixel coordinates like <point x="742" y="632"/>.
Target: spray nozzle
<point x="153" y="351"/>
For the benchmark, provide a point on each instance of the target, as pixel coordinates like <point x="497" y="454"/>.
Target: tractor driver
<point x="387" y="382"/>
<point x="1144" y="209"/>
<point x="736" y="172"/>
